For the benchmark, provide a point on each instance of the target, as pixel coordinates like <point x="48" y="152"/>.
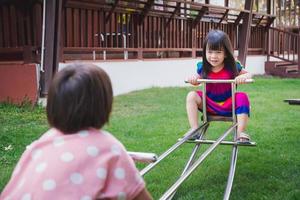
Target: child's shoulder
<point x="199" y="64"/>
<point x="239" y="64"/>
<point x="199" y="67"/>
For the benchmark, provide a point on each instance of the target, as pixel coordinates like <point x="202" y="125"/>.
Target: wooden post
<point x="193" y="41"/>
<point x="140" y="41"/>
<point x="267" y="44"/>
<point x="244" y="36"/>
<point x="299" y="39"/>
<point x="52" y="42"/>
<point x="299" y="50"/>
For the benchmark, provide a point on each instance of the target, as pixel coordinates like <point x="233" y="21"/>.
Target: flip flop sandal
<point x="243" y="138"/>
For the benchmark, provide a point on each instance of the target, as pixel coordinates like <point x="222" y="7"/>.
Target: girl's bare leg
<point x="193" y="102"/>
<point x="242" y="120"/>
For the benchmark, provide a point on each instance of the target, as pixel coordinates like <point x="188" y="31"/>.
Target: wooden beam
<point x="52" y="41"/>
<point x="238" y="19"/>
<point x="244" y="36"/>
<point x="270" y="21"/>
<point x="176" y="11"/>
<point x="200" y="15"/>
<point x="223" y="17"/>
<point x="259" y="20"/>
<point x="146" y="10"/>
<point x="113" y="8"/>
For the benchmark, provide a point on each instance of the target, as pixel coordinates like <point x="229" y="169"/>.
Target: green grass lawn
<point x="152" y="120"/>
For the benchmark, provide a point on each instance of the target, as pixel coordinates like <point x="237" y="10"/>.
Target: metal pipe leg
<point x="192" y="157"/>
<point x="174" y="187"/>
<point x="170" y="150"/>
<point x="231" y="172"/>
<point x="189" y="163"/>
<point x="195" y="150"/>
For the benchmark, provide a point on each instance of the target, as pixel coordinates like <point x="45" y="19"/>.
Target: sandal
<point x="191" y="134"/>
<point x="243" y="138"/>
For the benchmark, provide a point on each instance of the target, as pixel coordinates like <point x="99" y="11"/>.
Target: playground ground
<point x="152" y="120"/>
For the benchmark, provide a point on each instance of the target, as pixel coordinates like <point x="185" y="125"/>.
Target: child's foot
<point x="243" y="138"/>
<point x="192" y="135"/>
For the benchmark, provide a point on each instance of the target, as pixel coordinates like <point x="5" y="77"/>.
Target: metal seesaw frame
<point x="193" y="163"/>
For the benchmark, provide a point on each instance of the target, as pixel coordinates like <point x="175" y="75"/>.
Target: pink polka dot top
<point x="90" y="164"/>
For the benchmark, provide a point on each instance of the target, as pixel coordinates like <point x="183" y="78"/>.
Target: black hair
<point x="80" y="97"/>
<point x="219" y="40"/>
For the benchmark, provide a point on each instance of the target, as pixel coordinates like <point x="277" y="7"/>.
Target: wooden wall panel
<point x="13" y="26"/>
<point x="1" y="29"/>
<point x="6" y="26"/>
<point x="102" y="28"/>
<point x="37" y="15"/>
<point x="83" y="31"/>
<point x="69" y="29"/>
<point x="17" y="26"/>
<point x="77" y="27"/>
<point x="89" y="23"/>
<point x="28" y="28"/>
<point x="95" y="29"/>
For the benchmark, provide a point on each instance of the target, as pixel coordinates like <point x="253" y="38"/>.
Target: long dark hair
<point x="219" y="40"/>
<point x="79" y="97"/>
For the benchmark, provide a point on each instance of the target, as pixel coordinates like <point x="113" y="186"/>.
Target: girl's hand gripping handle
<point x="243" y="78"/>
<point x="193" y="80"/>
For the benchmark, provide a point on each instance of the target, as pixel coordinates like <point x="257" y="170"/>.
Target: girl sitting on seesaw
<point x="219" y="63"/>
<point x="75" y="159"/>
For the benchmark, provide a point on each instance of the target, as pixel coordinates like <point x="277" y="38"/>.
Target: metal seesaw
<point x="194" y="163"/>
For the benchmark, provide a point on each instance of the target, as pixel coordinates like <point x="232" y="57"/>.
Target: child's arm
<point x="243" y="76"/>
<point x="143" y="195"/>
<point x="193" y="79"/>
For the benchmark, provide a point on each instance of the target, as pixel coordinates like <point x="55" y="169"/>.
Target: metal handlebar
<point x="142" y="156"/>
<point x="219" y="81"/>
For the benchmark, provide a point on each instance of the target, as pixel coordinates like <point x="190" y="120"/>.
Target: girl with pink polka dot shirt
<point x="75" y="159"/>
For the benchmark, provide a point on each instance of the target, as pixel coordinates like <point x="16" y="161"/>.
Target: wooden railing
<point x="26" y="54"/>
<point x="95" y="32"/>
<point x="284" y="45"/>
<point x="109" y="53"/>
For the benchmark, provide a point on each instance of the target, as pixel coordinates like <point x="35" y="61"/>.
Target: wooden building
<point x="47" y="32"/>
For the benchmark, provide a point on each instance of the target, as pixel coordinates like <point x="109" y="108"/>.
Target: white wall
<point x="127" y="76"/>
<point x="256" y="64"/>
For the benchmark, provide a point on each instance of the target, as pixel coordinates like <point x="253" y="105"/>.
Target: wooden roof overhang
<point x="180" y="9"/>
